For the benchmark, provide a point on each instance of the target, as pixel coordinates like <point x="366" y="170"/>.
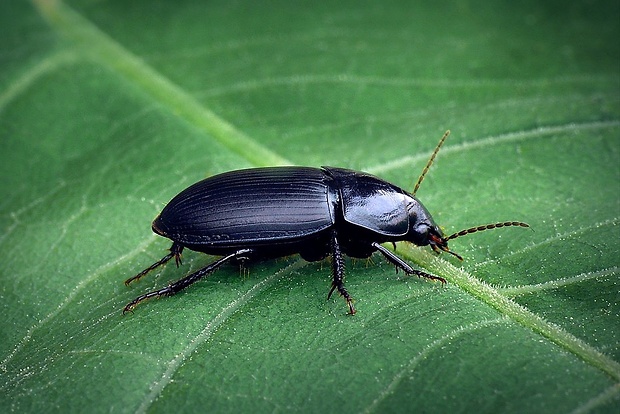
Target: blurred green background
<point x="110" y="108"/>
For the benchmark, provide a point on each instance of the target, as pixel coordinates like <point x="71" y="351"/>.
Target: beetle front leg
<point x="338" y="274"/>
<point x="400" y="263"/>
<point x="186" y="281"/>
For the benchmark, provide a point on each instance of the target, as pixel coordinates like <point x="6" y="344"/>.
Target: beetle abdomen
<point x="250" y="206"/>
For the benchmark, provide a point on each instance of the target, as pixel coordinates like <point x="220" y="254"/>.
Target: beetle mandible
<point x="315" y="212"/>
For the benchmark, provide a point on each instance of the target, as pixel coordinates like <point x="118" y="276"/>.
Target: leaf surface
<point x="108" y="109"/>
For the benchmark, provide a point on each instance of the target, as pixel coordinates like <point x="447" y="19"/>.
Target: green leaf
<point x="108" y="109"/>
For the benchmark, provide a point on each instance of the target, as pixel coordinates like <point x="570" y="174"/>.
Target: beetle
<point x="274" y="212"/>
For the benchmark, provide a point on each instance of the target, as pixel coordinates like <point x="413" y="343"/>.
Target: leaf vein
<point x="98" y="46"/>
<point x="549" y="240"/>
<point x="492" y="297"/>
<point x="173" y="366"/>
<point x="425" y="352"/>
<point x="558" y="283"/>
<point x="517" y="136"/>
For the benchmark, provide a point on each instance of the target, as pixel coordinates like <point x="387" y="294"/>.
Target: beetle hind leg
<point x="175" y="251"/>
<point x="181" y="284"/>
<point x="338" y="274"/>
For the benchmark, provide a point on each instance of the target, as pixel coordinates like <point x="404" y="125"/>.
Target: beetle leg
<point x="400" y="263"/>
<point x="186" y="281"/>
<point x="338" y="274"/>
<point x="175" y="251"/>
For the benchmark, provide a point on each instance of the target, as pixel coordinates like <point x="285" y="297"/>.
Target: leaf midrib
<point x="96" y="45"/>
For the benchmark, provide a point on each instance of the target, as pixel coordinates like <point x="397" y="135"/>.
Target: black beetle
<point x="315" y="212"/>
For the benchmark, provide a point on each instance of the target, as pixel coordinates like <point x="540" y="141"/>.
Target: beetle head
<point x="424" y="231"/>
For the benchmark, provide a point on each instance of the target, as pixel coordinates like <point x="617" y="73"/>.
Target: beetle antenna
<point x="486" y="227"/>
<point x="430" y="162"/>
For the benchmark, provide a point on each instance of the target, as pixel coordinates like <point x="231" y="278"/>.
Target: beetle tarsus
<point x="351" y="307"/>
<point x="181" y="284"/>
<point x="428" y="276"/>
